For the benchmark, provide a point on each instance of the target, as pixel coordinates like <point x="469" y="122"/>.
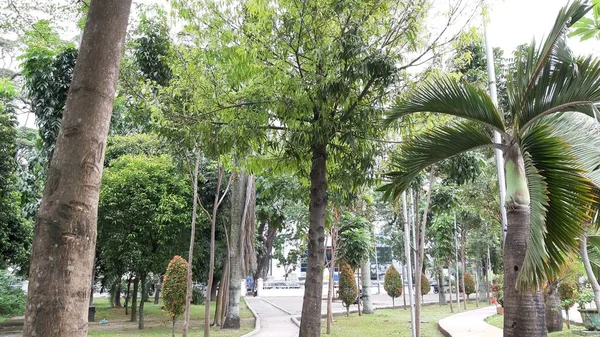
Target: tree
<point x="549" y="121"/>
<point x="174" y="288"/>
<point x="393" y="283"/>
<point x="348" y="290"/>
<point x="469" y="285"/>
<point x="568" y="294"/>
<point x="587" y="28"/>
<point x="61" y="265"/>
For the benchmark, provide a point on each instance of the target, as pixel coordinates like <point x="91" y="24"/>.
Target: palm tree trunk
<point x="310" y="326"/>
<point x="523" y="310"/>
<point x="64" y="243"/>
<point x="189" y="290"/>
<point x="554" y="319"/>
<point x="588" y="269"/>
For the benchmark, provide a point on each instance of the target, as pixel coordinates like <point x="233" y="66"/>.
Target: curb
<point x="276" y="306"/>
<point x="256" y="320"/>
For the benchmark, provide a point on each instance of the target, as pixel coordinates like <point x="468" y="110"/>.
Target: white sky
<point x="514" y="22"/>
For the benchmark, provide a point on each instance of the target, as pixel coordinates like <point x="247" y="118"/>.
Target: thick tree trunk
<point x="238" y="203"/>
<point x="142" y="301"/>
<point x="128" y="294"/>
<point x="117" y="299"/>
<point x="523" y="310"/>
<point x="588" y="269"/>
<point x="134" y="295"/>
<point x="65" y="233"/>
<point x="310" y="325"/>
<point x="211" y="269"/>
<point x="554" y="319"/>
<point x="366" y="288"/>
<point x="189" y="290"/>
<point x="263" y="262"/>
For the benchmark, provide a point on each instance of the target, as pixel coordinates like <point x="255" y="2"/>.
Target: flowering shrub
<point x="174" y="288"/>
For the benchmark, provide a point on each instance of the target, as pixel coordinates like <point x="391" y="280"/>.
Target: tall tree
<point x="65" y="233"/>
<point x="548" y="177"/>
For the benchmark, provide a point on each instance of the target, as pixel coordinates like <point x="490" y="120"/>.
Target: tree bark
<point x="523" y="310"/>
<point x="588" y="269"/>
<point x="189" y="290"/>
<point x="310" y="326"/>
<point x="554" y="319"/>
<point x="142" y="301"/>
<point x="366" y="288"/>
<point x="263" y="261"/>
<point x="211" y="270"/>
<point x="117" y="299"/>
<point x="463" y="240"/>
<point x="157" y="291"/>
<point x="450" y="292"/>
<point x="65" y="233"/>
<point x="136" y="283"/>
<point x="441" y="289"/>
<point x="127" y="294"/>
<point x="213" y="290"/>
<point x="238" y="203"/>
<point x="359" y="293"/>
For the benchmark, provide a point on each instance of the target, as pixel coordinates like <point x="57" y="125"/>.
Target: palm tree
<point x="552" y="104"/>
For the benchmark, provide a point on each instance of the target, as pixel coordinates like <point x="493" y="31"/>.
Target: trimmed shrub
<point x="174" y="288"/>
<point x="425" y="286"/>
<point x="568" y="294"/>
<point x="392" y="283"/>
<point x="348" y="290"/>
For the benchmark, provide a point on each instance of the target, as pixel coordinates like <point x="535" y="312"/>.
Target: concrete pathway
<point x="470" y="323"/>
<point x="274" y="322"/>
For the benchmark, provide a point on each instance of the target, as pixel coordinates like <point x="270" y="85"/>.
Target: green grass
<point x="498" y="321"/>
<point x="158" y="323"/>
<point x="390" y="322"/>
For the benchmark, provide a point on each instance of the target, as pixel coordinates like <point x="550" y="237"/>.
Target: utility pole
<point x="408" y="264"/>
<point x="489" y="55"/>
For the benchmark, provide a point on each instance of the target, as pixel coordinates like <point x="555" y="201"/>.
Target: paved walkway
<point x="274" y="322"/>
<point x="471" y="323"/>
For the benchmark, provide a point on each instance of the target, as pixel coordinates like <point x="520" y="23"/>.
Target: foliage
<point x="174" y="287"/>
<point x="497" y="289"/>
<point x="348" y="290"/>
<point x="12" y="298"/>
<point x="587" y="28"/>
<point x="198" y="297"/>
<point x="469" y="284"/>
<point x="586" y="296"/>
<point x="425" y="286"/>
<point x="568" y="294"/>
<point x="393" y="282"/>
<point x="355" y="240"/>
<point x="152" y="50"/>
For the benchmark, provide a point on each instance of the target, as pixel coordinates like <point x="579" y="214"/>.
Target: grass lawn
<point x="391" y="322"/>
<point x="498" y="320"/>
<point x="158" y="323"/>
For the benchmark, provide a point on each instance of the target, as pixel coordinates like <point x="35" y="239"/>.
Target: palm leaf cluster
<point x="553" y="98"/>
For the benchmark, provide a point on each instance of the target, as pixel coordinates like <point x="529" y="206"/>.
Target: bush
<point x="174" y="288"/>
<point x="197" y="296"/>
<point x="393" y="283"/>
<point x="498" y="289"/>
<point x="425" y="286"/>
<point x="12" y="297"/>
<point x="348" y="290"/>
<point x="568" y="294"/>
<point x="469" y="284"/>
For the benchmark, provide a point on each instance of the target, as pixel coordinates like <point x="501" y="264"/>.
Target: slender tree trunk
<point x="331" y="288"/>
<point x="142" y="301"/>
<point x="189" y="290"/>
<point x="568" y="319"/>
<point x="463" y="240"/>
<point x="157" y="291"/>
<point x="211" y="270"/>
<point x="117" y="299"/>
<point x="136" y="283"/>
<point x="239" y="182"/>
<point x="588" y="269"/>
<point x="359" y="293"/>
<point x="366" y="288"/>
<point x="523" y="310"/>
<point x="128" y="294"/>
<point x="310" y="326"/>
<point x="213" y="290"/>
<point x="173" y="328"/>
<point x="441" y="289"/>
<point x="450" y="293"/>
<point x="421" y="254"/>
<point x="404" y="295"/>
<point x="65" y="233"/>
<point x="554" y="319"/>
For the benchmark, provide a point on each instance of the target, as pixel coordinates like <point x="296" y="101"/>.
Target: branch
<point x="226" y="190"/>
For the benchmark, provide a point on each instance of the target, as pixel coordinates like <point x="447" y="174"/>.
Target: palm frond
<point x="570" y="198"/>
<point x="447" y="95"/>
<point x="432" y="147"/>
<point x="541" y="62"/>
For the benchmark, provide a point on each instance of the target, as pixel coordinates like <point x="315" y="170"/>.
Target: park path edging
<point x="256" y="321"/>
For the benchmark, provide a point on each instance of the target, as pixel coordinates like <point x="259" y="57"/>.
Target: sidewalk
<point x="471" y="323"/>
<point x="274" y="322"/>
